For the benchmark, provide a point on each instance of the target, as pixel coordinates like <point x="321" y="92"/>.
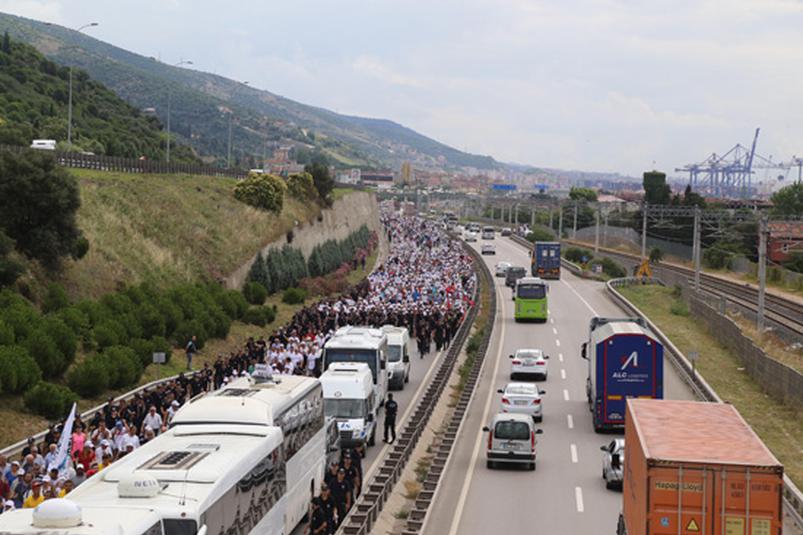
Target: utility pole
<point x="605" y="231"/>
<point x="644" y="232"/>
<point x="532" y="218"/>
<point x="228" y="152"/>
<point x="560" y="223"/>
<point x="574" y="227"/>
<point x="762" y="271"/>
<point x="550" y="218"/>
<point x="596" y="229"/>
<point x="69" y="98"/>
<point x="516" y="214"/>
<point x="696" y="248"/>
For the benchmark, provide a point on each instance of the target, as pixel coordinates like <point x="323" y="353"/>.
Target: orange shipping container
<point x="695" y="468"/>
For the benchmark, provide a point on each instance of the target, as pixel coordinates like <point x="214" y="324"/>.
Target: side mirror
<point x="486" y="429"/>
<point x="546" y="357"/>
<point x="583" y="350"/>
<point x="539" y="431"/>
<point x="542" y="392"/>
<point x="500" y="391"/>
<point x="202" y="531"/>
<point x="603" y="448"/>
<point x="382" y="364"/>
<point x="510" y="356"/>
<point x="405" y="358"/>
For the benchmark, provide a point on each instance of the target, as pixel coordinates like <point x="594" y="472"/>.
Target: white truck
<point x="361" y="344"/>
<point x="398" y="356"/>
<point x="348" y="397"/>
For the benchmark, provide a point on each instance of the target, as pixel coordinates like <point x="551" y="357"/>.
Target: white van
<point x="398" y="356"/>
<point x="361" y="344"/>
<point x="348" y="397"/>
<point x="43" y="144"/>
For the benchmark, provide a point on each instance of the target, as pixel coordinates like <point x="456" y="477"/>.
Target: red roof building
<point x="785" y="238"/>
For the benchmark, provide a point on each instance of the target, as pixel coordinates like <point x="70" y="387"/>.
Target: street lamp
<point x="69" y="100"/>
<point x="179" y="64"/>
<point x="231" y="112"/>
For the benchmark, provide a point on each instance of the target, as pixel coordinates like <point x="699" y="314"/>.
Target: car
<point x="529" y="362"/>
<point x="511" y="440"/>
<point x="501" y="269"/>
<point x="488" y="248"/>
<point x="513" y="274"/>
<point x="612" y="469"/>
<point x="506" y="231"/>
<point x="470" y="235"/>
<point x="522" y="398"/>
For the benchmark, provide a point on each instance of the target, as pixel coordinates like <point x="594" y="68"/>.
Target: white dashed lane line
<point x="554" y="331"/>
<point x="557" y="343"/>
<point x="562" y="373"/>
<point x="578" y="497"/>
<point x="570" y="421"/>
<point x="560" y="357"/>
<point x="573" y="449"/>
<point x="565" y="395"/>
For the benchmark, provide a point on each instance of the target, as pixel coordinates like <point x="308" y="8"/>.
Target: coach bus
<point x="529" y="295"/>
<point x="243" y="459"/>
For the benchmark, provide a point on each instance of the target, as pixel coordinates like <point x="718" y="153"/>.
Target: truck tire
<point x="531" y="466"/>
<point x="620" y="526"/>
<point x="490" y="464"/>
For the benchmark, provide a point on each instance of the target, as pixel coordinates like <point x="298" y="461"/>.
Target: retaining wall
<point x="346" y="215"/>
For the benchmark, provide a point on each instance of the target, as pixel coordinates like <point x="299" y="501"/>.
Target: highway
<point x="566" y="493"/>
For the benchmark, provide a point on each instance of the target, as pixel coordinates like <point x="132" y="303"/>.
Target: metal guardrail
<point x="366" y="510"/>
<point x="793" y="497"/>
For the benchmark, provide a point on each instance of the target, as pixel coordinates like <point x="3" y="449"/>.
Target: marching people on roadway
<point x="391" y="408"/>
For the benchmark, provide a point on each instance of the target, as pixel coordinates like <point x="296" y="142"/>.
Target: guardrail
<point x="367" y="508"/>
<point x="793" y="497"/>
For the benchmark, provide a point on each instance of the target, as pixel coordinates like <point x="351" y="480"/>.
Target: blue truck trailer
<point x="545" y="261"/>
<point x="625" y="360"/>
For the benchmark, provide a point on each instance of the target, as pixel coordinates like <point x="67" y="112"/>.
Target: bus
<point x="361" y="344"/>
<point x="529" y="295"/>
<point x="245" y="459"/>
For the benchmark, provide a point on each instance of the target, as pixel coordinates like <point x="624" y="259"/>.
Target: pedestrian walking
<point x="391" y="408"/>
<point x="191" y="350"/>
<point x="341" y="492"/>
<point x="318" y="524"/>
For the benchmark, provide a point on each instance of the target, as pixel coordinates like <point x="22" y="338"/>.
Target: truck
<point x="348" y="397"/>
<point x="545" y="262"/>
<point x="625" y="360"/>
<point x="695" y="467"/>
<point x="361" y="344"/>
<point x="398" y="356"/>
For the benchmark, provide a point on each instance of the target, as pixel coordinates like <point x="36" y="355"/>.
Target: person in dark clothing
<point x="191" y="349"/>
<point x="341" y="493"/>
<point x="318" y="524"/>
<point x="391" y="408"/>
<point x="328" y="507"/>
<point x="352" y="474"/>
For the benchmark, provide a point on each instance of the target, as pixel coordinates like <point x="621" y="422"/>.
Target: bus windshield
<point x="531" y="291"/>
<point x="344" y="408"/>
<point x="394" y="353"/>
<point x="368" y="356"/>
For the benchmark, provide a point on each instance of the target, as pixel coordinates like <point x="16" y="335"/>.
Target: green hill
<point x="202" y="100"/>
<point x="33" y="105"/>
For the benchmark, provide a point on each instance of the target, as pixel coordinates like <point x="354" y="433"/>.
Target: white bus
<point x="244" y="459"/>
<point x="361" y="344"/>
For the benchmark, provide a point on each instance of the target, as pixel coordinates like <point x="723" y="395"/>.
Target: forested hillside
<point x="34" y="100"/>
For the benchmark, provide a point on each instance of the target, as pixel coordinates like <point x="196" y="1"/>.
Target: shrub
<point x="186" y="330"/>
<point x="143" y="350"/>
<point x="160" y="344"/>
<point x="577" y="254"/>
<point x="262" y="191"/>
<point x="76" y="320"/>
<point x="46" y="354"/>
<point x="301" y="186"/>
<point x="239" y="301"/>
<point x="679" y="308"/>
<point x="10" y="271"/>
<point x="612" y="268"/>
<point x="55" y="298"/>
<point x="221" y="323"/>
<point x="63" y="336"/>
<point x="150" y="320"/>
<point x="171" y="313"/>
<point x="90" y="378"/>
<point x="22" y="318"/>
<point x="294" y="296"/>
<point x="540" y="234"/>
<point x="6" y="334"/>
<point x="123" y="365"/>
<point x="106" y="334"/>
<point x="18" y="371"/>
<point x="51" y="401"/>
<point x="255" y="293"/>
<point x="656" y="255"/>
<point x="260" y="316"/>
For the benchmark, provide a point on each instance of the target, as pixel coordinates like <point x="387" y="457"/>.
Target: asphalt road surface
<point x="566" y="494"/>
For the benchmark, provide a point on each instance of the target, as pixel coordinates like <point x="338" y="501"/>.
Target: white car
<point x="529" y="362"/>
<point x="522" y="398"/>
<point x="488" y="248"/>
<point x="501" y="268"/>
<point x="613" y="456"/>
<point x="511" y="440"/>
<point x="470" y="236"/>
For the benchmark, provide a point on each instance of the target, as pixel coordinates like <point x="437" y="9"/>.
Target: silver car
<point x="522" y="398"/>
<point x="613" y="462"/>
<point x="501" y="268"/>
<point x="529" y="362"/>
<point x="511" y="440"/>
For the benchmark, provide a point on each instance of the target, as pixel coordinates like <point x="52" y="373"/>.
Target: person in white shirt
<point x="51" y="455"/>
<point x="153" y="420"/>
<point x="131" y="438"/>
<point x="172" y="410"/>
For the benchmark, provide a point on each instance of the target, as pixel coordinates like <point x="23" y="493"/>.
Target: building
<point x="785" y="238"/>
<point x="379" y="179"/>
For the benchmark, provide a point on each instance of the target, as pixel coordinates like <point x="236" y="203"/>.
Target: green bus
<point x="530" y="298"/>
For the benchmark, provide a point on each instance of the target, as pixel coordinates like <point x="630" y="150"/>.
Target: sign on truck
<point x="624" y="361"/>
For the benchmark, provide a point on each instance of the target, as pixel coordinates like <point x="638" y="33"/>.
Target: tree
<point x="583" y="194"/>
<point x="323" y="181"/>
<point x="691" y="198"/>
<point x="656" y="255"/>
<point x="6" y="43"/>
<point x="788" y="200"/>
<point x="9" y="269"/>
<point x="656" y="190"/>
<point x="39" y="201"/>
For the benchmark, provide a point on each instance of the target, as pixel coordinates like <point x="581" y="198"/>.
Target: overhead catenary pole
<point x="167" y="151"/>
<point x="574" y="226"/>
<point x="696" y="248"/>
<point x="605" y="231"/>
<point x="550" y="218"/>
<point x="532" y="218"/>
<point x="762" y="271"/>
<point x="560" y="223"/>
<point x="228" y="151"/>
<point x="69" y="98"/>
<point x="596" y="229"/>
<point x="644" y="232"/>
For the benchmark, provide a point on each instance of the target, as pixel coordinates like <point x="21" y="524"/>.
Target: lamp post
<point x="179" y="64"/>
<point x="69" y="99"/>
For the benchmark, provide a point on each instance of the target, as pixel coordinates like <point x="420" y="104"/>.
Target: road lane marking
<point x="565" y="395"/>
<point x="562" y="373"/>
<point x="560" y="357"/>
<point x="573" y="449"/>
<point x="554" y="331"/>
<point x="580" y="297"/>
<point x="578" y="497"/>
<point x="557" y="342"/>
<point x="552" y="321"/>
<point x="570" y="420"/>
<point x="461" y="502"/>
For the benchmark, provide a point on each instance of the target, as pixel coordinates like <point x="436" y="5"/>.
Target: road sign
<point x="159" y="358"/>
<point x="504" y="187"/>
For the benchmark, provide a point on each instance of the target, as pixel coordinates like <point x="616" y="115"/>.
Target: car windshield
<point x="531" y="291"/>
<point x="394" y="353"/>
<point x="528" y="354"/>
<point x="367" y="356"/>
<point x="522" y="390"/>
<point x="512" y="430"/>
<point x="515" y="272"/>
<point x="344" y="408"/>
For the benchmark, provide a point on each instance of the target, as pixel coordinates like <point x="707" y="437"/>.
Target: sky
<point x="595" y="85"/>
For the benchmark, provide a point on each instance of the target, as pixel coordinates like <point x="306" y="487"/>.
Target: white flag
<point x="63" y="453"/>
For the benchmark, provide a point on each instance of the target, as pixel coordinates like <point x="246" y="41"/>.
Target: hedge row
<point x="330" y="255"/>
<point x="585" y="256"/>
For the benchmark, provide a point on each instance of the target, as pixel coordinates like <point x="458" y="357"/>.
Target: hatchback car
<point x="529" y="362"/>
<point x="470" y="236"/>
<point x="511" y="440"/>
<point x="506" y="231"/>
<point x="612" y="463"/>
<point x="513" y="274"/>
<point x="522" y="398"/>
<point x="501" y="268"/>
<point x="487" y="248"/>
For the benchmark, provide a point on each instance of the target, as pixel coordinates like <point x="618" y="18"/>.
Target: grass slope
<point x="779" y="426"/>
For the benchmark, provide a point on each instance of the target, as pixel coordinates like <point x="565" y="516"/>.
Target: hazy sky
<point x="609" y="85"/>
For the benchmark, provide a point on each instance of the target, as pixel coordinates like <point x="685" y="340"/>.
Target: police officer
<point x="328" y="508"/>
<point x="341" y="492"/>
<point x="318" y="524"/>
<point x="352" y="474"/>
<point x="391" y="408"/>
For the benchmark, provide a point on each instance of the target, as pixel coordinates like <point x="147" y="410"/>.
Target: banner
<point x="63" y="453"/>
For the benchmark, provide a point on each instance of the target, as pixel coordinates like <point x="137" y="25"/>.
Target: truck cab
<point x="398" y="356"/>
<point x="348" y="397"/>
<point x="361" y="344"/>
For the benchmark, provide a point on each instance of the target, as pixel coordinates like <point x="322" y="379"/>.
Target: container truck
<point x="692" y="468"/>
<point x="545" y="261"/>
<point x="624" y="361"/>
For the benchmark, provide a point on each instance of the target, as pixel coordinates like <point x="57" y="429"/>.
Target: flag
<point x="63" y="453"/>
